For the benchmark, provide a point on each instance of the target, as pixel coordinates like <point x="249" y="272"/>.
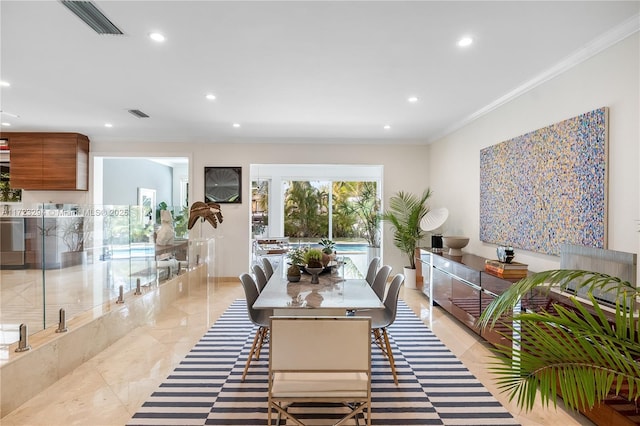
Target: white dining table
<point x="332" y="296"/>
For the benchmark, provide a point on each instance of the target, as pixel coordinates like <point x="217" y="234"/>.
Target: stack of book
<point x="513" y="270"/>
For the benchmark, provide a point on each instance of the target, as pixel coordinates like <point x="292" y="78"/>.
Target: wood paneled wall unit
<point x="49" y="161"/>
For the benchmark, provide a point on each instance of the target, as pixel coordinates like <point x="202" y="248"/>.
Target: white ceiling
<point x="287" y="71"/>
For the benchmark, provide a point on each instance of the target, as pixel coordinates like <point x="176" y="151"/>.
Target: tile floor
<point x="108" y="389"/>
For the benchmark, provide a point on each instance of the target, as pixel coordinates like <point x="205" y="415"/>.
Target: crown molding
<point x="606" y="40"/>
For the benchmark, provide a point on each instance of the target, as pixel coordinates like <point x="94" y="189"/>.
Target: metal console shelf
<point x="460" y="285"/>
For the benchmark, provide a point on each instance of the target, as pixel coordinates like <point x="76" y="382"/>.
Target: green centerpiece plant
<point x="313" y="258"/>
<point x="327" y="245"/>
<point x="296" y="256"/>
<point x="293" y="273"/>
<point x="328" y="248"/>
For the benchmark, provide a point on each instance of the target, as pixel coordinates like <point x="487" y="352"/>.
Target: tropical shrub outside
<point x="354" y="208"/>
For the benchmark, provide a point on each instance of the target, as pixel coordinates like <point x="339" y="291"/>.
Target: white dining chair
<point x="319" y="360"/>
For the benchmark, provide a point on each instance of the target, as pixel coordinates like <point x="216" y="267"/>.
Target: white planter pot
<point x="409" y="278"/>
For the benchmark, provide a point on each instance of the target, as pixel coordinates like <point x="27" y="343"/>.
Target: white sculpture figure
<point x="165" y="233"/>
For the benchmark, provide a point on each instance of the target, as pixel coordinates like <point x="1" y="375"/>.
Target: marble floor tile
<point x="109" y="388"/>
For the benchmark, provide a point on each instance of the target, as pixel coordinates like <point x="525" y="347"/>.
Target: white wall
<point x="404" y="169"/>
<point x="609" y="79"/>
<point x="449" y="166"/>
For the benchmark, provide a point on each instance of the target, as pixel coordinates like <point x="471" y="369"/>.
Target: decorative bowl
<point x="455" y="244"/>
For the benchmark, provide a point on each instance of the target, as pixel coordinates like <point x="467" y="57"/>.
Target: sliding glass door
<point x="307" y="203"/>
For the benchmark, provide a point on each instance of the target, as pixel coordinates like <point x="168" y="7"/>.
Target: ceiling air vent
<point x="90" y="14"/>
<point x="138" y="113"/>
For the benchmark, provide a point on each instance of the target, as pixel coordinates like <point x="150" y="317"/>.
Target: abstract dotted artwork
<point x="547" y="187"/>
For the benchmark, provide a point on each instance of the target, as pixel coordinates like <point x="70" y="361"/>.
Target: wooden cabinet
<point x="49" y="161"/>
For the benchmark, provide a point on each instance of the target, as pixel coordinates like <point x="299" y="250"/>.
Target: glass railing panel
<point x="76" y="267"/>
<point x="77" y="257"/>
<point x="141" y="250"/>
<point x="21" y="273"/>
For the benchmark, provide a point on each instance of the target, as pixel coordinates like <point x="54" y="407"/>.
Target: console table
<point x="461" y="286"/>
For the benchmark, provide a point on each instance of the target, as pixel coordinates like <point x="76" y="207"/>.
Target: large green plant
<point x="573" y="349"/>
<point x="404" y="214"/>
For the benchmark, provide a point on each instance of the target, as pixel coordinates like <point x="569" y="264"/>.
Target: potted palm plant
<point x="572" y="349"/>
<point x="404" y="215"/>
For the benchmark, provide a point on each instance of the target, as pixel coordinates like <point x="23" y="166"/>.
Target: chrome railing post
<point x="23" y="344"/>
<point x="62" y="325"/>
<point x="121" y="295"/>
<point x="138" y="290"/>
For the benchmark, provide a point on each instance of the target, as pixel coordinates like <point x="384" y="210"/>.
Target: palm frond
<point x="573" y="350"/>
<point x="560" y="279"/>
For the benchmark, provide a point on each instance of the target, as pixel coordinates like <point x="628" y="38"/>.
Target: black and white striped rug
<point x="434" y="386"/>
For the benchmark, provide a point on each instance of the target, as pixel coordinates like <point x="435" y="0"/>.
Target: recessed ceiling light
<point x="465" y="41"/>
<point x="5" y="84"/>
<point x="156" y="37"/>
<point x="211" y="96"/>
<point x="412" y="99"/>
<point x="108" y="125"/>
<point x="386" y="127"/>
<point x="6" y="124"/>
<point x="236" y="125"/>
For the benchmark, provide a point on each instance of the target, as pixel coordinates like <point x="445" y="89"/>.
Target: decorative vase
<point x="314" y="274"/>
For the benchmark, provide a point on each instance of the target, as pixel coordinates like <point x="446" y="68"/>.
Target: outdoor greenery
<point x="366" y="207"/>
<point x="355" y="210"/>
<point x="180" y="219"/>
<point x="306" y="208"/>
<point x="404" y="214"/>
<point x="6" y="192"/>
<point x="572" y="349"/>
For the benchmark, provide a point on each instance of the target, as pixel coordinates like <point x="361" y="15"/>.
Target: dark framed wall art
<point x="223" y="184"/>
